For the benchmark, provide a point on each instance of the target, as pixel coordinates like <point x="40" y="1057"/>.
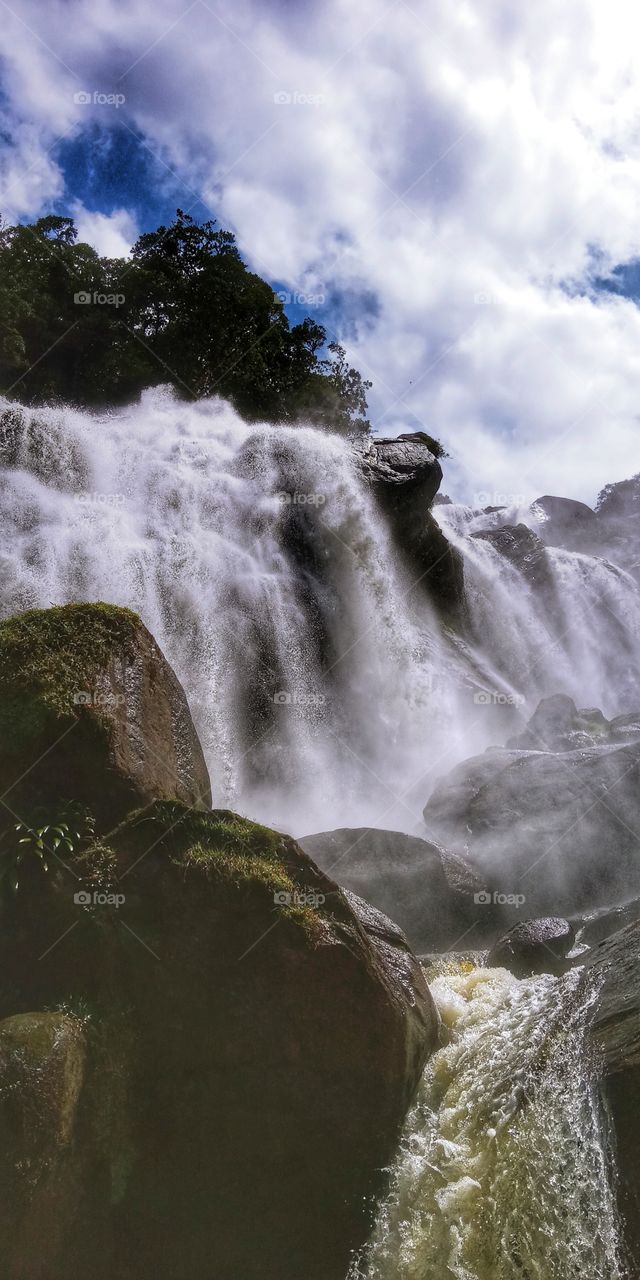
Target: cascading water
<point x="502" y="1172"/>
<point x="324" y="690"/>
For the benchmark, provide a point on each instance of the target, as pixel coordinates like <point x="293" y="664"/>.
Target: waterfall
<point x="502" y="1173"/>
<point x="323" y="687"/>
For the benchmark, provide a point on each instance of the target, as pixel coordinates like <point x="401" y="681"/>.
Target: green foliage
<point x="61" y="836"/>
<point x="184" y="310"/>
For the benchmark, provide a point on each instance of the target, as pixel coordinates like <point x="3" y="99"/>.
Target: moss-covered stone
<point x="254" y="1037"/>
<point x="90" y="710"/>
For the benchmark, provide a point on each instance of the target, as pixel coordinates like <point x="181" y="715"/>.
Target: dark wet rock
<point x="523" y="549"/>
<point x="560" y="828"/>
<point x="91" y="710"/>
<point x="615" y="964"/>
<point x="405" y="474"/>
<point x="42" y="1067"/>
<point x="558" y="725"/>
<point x="534" y="946"/>
<point x="620" y="500"/>
<point x="428" y="890"/>
<point x="563" y="522"/>
<point x="254" y="1039"/>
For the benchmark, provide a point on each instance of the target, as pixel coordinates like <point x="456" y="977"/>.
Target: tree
<point x="185" y="309"/>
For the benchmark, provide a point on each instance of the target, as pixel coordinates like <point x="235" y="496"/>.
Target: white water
<point x="502" y="1173"/>
<point x="258" y="560"/>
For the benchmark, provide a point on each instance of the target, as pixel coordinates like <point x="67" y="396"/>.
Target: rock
<point x="523" y="549"/>
<point x="256" y="1037"/>
<point x="534" y="946"/>
<point x="559" y="828"/>
<point x="615" y="964"/>
<point x="621" y="499"/>
<point x="404" y="464"/>
<point x="405" y="476"/>
<point x="42" y="1063"/>
<point x="557" y="725"/>
<point x="90" y="709"/>
<point x="428" y="890"/>
<point x="563" y="522"/>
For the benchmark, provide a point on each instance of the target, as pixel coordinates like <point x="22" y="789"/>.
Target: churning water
<point x="322" y="685"/>
<point x="502" y="1173"/>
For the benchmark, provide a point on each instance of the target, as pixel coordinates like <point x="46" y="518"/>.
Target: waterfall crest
<point x="323" y="687"/>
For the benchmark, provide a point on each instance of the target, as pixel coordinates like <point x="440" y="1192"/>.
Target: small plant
<point x="63" y="834"/>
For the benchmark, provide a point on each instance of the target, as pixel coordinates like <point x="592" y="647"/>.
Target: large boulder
<point x="432" y="893"/>
<point x="558" y="725"/>
<point x="534" y="946"/>
<point x="405" y="474"/>
<point x="91" y="710"/>
<point x="253" y="1039"/>
<point x="524" y="549"/>
<point x="559" y="828"/>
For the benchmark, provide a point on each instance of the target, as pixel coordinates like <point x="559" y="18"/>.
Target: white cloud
<point x="111" y="234"/>
<point x="432" y="154"/>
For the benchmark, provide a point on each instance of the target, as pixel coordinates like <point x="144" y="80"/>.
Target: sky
<point x="452" y="189"/>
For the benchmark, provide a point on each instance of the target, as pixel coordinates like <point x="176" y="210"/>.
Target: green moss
<point x="223" y="846"/>
<point x="50" y="657"/>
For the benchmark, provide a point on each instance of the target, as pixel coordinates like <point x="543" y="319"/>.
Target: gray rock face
<point x="521" y="546"/>
<point x="428" y="890"/>
<point x="405" y="476"/>
<point x="534" y="946"/>
<point x="404" y="462"/>
<point x="560" y="828"/>
<point x="615" y="964"/>
<point x="611" y="531"/>
<point x="558" y="725"/>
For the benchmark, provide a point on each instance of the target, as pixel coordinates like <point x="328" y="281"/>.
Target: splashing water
<point x="502" y="1173"/>
<point x="324" y="690"/>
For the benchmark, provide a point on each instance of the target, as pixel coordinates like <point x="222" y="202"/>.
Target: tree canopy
<point x="184" y="309"/>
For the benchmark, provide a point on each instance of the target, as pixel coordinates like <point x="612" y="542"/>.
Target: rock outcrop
<point x="521" y="546"/>
<point x="558" y="827"/>
<point x="405" y="475"/>
<point x="91" y="710"/>
<point x="253" y="1038"/>
<point x="430" y="892"/>
<point x="534" y="946"/>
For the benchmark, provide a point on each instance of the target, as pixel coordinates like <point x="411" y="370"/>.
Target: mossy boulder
<point x="91" y="710"/>
<point x="254" y="1039"/>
